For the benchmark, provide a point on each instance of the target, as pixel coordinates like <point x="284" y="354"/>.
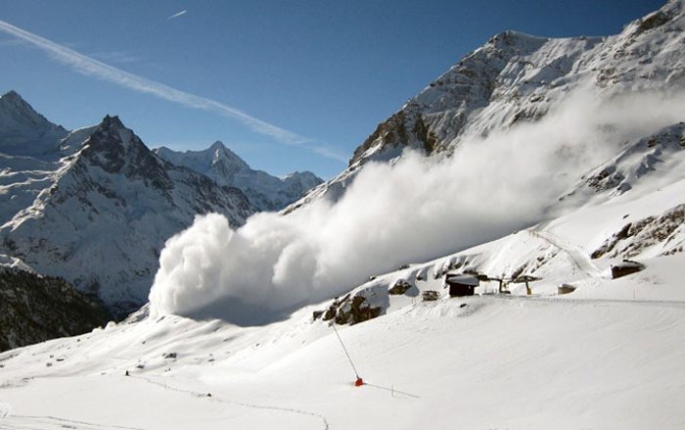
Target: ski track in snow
<point x="577" y="254"/>
<point x="234" y="403"/>
<point x="32" y="422"/>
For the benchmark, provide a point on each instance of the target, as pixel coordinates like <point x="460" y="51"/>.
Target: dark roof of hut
<point x="460" y="278"/>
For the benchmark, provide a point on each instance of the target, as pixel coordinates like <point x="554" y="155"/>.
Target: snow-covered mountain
<point x="96" y="206"/>
<point x="265" y="192"/>
<point x="23" y="131"/>
<point x="517" y="78"/>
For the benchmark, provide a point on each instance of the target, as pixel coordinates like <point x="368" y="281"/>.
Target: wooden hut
<point x="461" y="284"/>
<point x="627" y="267"/>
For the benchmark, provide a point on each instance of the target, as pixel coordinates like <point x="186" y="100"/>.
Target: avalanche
<point x="541" y="183"/>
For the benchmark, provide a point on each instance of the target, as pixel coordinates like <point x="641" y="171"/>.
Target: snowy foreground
<point x="499" y="363"/>
<point x="610" y="355"/>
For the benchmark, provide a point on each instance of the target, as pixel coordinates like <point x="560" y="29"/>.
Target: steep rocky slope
<point x="36" y="308"/>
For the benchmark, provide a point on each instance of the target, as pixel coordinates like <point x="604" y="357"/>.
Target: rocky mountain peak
<point x="225" y="159"/>
<point x="16" y="112"/>
<point x="24" y="131"/>
<point x="12" y="99"/>
<point x="218" y="145"/>
<point x="112" y="122"/>
<point x="12" y="96"/>
<point x="226" y="168"/>
<point x="469" y="85"/>
<point x="116" y="149"/>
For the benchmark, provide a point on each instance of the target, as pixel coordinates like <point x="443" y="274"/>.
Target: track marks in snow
<point x="577" y="254"/>
<point x="254" y="406"/>
<point x="33" y="422"/>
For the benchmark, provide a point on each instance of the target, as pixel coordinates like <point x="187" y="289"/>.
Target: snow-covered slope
<point x="516" y="78"/>
<point x="265" y="192"/>
<point x="99" y="215"/>
<point x="608" y="355"/>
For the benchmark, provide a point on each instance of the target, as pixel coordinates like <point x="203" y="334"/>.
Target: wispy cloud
<point x="97" y="69"/>
<point x="176" y="15"/>
<point x="116" y="57"/>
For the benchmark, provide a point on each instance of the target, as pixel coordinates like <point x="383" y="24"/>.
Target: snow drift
<point x="409" y="210"/>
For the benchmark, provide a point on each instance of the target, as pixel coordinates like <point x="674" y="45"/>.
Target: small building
<point x="627" y="267"/>
<point x="461" y="284"/>
<point x="565" y="289"/>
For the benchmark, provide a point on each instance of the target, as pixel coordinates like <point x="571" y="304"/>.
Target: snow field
<point x="500" y="362"/>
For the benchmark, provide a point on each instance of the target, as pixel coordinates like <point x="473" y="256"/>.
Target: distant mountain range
<point x="265" y="192"/>
<point x="95" y="205"/>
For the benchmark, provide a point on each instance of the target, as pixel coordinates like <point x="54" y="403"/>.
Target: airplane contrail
<point x="90" y="67"/>
<point x="176" y="15"/>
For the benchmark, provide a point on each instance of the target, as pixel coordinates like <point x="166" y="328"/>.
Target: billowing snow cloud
<point x="412" y="210"/>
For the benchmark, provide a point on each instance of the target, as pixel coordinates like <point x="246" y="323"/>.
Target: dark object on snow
<point x="359" y="382"/>
<point x="350" y="310"/>
<point x="400" y="287"/>
<point x="170" y="355"/>
<point x="461" y="284"/>
<point x="627" y="267"/>
<point x="356" y="311"/>
<point x="565" y="289"/>
<point x="430" y="296"/>
<point x="127" y="373"/>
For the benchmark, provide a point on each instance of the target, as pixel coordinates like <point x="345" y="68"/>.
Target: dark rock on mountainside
<point x="36" y="308"/>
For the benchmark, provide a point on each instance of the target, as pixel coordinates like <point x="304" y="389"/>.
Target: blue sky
<point x="288" y="85"/>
